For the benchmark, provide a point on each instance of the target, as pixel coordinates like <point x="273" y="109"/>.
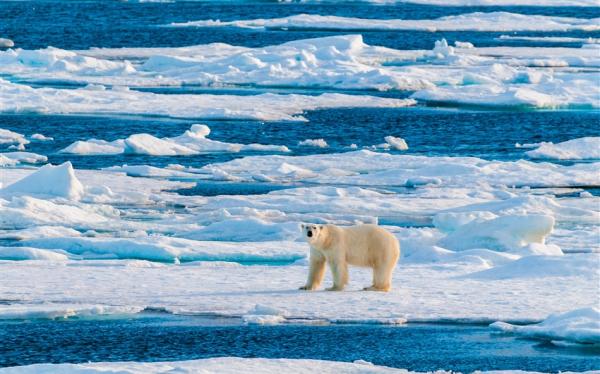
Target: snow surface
<point x="551" y="39"/>
<point x="366" y="168"/>
<point x="10" y="137"/>
<point x="222" y="365"/>
<point x="479" y="21"/>
<point x="398" y="144"/>
<point x="17" y="98"/>
<point x="440" y="292"/>
<point x="14" y="158"/>
<point x="460" y="74"/>
<point x="51" y="180"/>
<point x="575" y="149"/>
<point x="578" y="326"/>
<point x="319" y="143"/>
<point x="127" y="242"/>
<point x="194" y="141"/>
<point x="6" y="43"/>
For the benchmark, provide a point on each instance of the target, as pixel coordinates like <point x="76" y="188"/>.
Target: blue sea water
<point x="85" y="24"/>
<point x="422" y="347"/>
<point x="430" y="131"/>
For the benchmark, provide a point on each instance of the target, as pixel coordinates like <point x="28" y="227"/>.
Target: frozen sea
<point x="194" y="137"/>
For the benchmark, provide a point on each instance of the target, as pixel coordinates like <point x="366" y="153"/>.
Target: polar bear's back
<point x="370" y="245"/>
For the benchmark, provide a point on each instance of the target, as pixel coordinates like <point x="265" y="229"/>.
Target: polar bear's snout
<point x="311" y="232"/>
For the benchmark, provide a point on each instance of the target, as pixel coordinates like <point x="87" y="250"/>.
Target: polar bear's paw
<point x="335" y="288"/>
<point x="374" y="288"/>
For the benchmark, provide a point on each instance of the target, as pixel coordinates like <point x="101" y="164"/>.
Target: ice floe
<point x="17" y="98"/>
<point x="439" y="292"/>
<point x="517" y="233"/>
<point x="577" y="93"/>
<point x="222" y="365"/>
<point x="577" y="326"/>
<point x="193" y="141"/>
<point x="62" y="310"/>
<point x="398" y="144"/>
<point x="366" y="168"/>
<point x="470" y="240"/>
<point x="459" y="74"/>
<point x="543" y="266"/>
<point x="319" y="143"/>
<point x="14" y="158"/>
<point x="41" y="138"/>
<point x="11" y="137"/>
<point x="6" y="43"/>
<point x="550" y="39"/>
<point x="575" y="149"/>
<point x="50" y="180"/>
<point x="479" y="21"/>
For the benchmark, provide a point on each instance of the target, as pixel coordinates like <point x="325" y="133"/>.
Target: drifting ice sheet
<point x="494" y="21"/>
<point x="18" y="98"/>
<point x="192" y="142"/>
<point x="577" y="149"/>
<point x="577" y="326"/>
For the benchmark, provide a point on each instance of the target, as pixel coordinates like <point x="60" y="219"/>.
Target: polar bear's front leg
<point x="316" y="272"/>
<point x="339" y="271"/>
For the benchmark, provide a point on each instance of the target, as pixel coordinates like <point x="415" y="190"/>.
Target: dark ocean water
<point x="462" y="348"/>
<point x="428" y="131"/>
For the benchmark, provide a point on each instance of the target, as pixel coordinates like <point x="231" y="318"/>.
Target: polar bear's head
<point x="312" y="232"/>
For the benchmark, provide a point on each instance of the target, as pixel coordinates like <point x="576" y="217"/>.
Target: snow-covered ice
<point x="578" y="326"/>
<point x="11" y="137"/>
<point x="454" y="273"/>
<point x="319" y="143"/>
<point x="6" y="43"/>
<point x="366" y="168"/>
<point x="460" y="74"/>
<point x="14" y="158"/>
<point x="221" y="365"/>
<point x="479" y="21"/>
<point x="575" y="149"/>
<point x="18" y="98"/>
<point x="193" y="141"/>
<point x="51" y="180"/>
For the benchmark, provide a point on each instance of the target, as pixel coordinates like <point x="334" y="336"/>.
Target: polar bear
<point x="362" y="245"/>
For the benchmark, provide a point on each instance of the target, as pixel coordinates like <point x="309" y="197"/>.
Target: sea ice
<point x="193" y="141"/>
<point x="50" y="180"/>
<point x="479" y="21"/>
<point x="319" y="143"/>
<point x="578" y="326"/>
<point x="14" y="158"/>
<point x="221" y="365"/>
<point x="366" y="168"/>
<point x="18" y="98"/>
<point x="575" y="149"/>
<point x="11" y="137"/>
<point x="515" y="76"/>
<point x="6" y="43"/>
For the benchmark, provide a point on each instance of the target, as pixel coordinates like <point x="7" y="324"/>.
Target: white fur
<point x="362" y="245"/>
